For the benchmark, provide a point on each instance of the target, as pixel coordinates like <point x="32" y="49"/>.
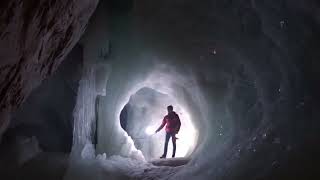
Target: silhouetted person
<point x="172" y="122"/>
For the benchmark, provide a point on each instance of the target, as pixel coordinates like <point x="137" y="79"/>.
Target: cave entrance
<point x="143" y="114"/>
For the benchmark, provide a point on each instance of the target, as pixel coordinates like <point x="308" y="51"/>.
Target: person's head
<point x="170" y="108"/>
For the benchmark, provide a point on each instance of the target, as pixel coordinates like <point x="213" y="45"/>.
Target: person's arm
<point x="162" y="125"/>
<point x="178" y="124"/>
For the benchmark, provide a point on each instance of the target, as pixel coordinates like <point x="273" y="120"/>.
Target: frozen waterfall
<point x="84" y="112"/>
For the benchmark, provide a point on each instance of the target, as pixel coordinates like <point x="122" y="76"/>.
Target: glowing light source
<point x="150" y="130"/>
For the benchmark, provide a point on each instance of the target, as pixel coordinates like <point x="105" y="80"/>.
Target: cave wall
<point x="47" y="113"/>
<point x="35" y="37"/>
<point x="40" y="133"/>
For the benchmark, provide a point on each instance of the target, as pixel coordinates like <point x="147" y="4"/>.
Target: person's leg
<point x="166" y="146"/>
<point x="173" y="138"/>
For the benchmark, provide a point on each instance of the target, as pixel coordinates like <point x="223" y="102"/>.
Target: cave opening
<point x="143" y="114"/>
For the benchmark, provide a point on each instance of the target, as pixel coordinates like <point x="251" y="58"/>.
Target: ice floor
<point x="120" y="168"/>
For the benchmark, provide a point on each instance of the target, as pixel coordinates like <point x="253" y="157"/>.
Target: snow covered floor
<point x="120" y="168"/>
<point x="100" y="167"/>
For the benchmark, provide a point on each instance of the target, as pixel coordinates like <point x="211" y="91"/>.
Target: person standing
<point x="173" y="123"/>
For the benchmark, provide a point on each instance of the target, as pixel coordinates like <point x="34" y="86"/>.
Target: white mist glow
<point x="150" y="130"/>
<point x="187" y="135"/>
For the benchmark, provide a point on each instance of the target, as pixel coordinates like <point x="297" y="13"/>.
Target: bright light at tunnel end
<point x="187" y="136"/>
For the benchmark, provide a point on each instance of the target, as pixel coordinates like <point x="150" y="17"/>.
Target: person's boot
<point x="163" y="157"/>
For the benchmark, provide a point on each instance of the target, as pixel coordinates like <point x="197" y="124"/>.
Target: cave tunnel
<point x="85" y="84"/>
<point x="143" y="114"/>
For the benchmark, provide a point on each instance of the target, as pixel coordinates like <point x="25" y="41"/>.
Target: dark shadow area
<point x="47" y="114"/>
<point x="124" y="117"/>
<point x="174" y="162"/>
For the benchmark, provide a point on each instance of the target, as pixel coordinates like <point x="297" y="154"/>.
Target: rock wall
<point x="35" y="36"/>
<point x="47" y="112"/>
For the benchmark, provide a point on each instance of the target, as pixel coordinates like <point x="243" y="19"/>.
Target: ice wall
<point x="84" y="112"/>
<point x="92" y="89"/>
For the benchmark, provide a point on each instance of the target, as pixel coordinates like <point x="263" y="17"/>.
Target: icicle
<point x="84" y="112"/>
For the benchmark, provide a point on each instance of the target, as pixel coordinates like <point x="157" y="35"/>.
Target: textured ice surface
<point x="101" y="167"/>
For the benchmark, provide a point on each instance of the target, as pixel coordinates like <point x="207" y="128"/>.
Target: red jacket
<point x="172" y="122"/>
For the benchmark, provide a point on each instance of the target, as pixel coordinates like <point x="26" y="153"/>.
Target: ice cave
<point x="85" y="84"/>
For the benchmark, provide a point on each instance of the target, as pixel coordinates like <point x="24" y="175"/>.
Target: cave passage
<point x="143" y="114"/>
<point x="242" y="75"/>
